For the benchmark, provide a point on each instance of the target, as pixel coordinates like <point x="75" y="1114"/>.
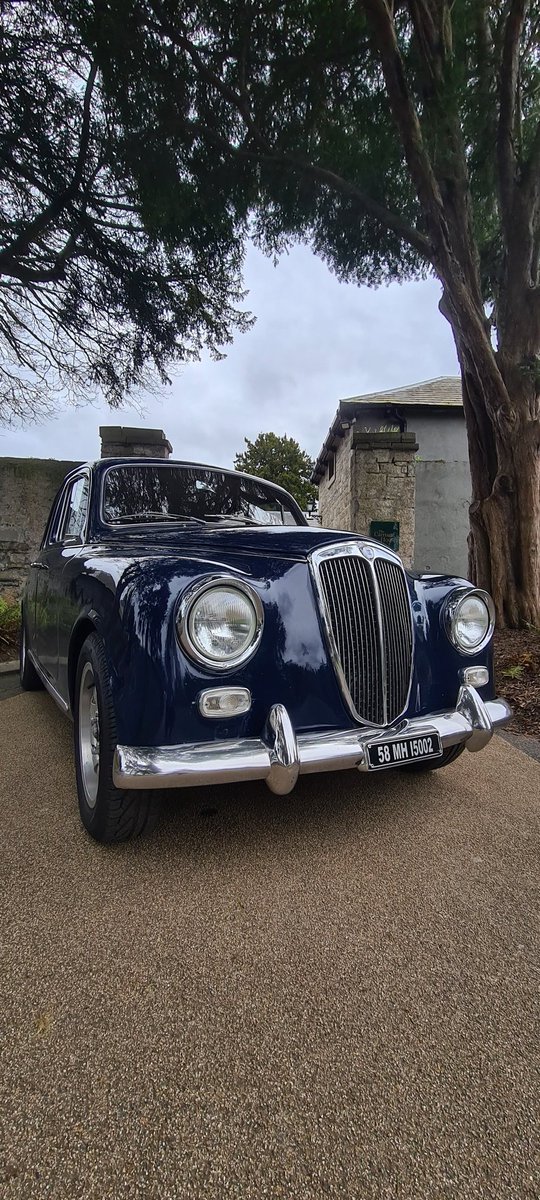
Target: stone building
<point x="396" y="464"/>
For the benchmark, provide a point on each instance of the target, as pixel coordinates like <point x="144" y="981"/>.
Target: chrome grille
<point x="367" y="609"/>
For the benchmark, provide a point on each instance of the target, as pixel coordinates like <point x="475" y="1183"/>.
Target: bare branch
<point x="46" y="275"/>
<point x="21" y="244"/>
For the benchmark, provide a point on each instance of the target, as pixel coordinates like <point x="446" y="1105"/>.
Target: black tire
<point x="448" y="756"/>
<point x="30" y="681"/>
<point x="107" y="812"/>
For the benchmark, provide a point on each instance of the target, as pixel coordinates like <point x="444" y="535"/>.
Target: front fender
<point x="156" y="685"/>
<point x="437" y="664"/>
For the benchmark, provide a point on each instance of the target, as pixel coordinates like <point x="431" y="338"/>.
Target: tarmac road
<point x="331" y="994"/>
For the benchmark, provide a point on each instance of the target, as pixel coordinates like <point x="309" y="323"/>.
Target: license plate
<point x="404" y="750"/>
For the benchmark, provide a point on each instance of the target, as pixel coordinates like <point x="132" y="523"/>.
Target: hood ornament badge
<point x="368" y="552"/>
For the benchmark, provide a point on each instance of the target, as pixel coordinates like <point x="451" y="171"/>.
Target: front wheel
<point x="107" y="812"/>
<point x="430" y="764"/>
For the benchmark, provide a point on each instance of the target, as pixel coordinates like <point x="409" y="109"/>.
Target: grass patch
<point x="10" y="622"/>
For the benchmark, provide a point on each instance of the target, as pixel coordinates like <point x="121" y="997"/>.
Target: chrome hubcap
<point x="89" y="734"/>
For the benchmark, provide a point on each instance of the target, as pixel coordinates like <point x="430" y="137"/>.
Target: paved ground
<point x="333" y="994"/>
<point x="523" y="741"/>
<point x="9" y="684"/>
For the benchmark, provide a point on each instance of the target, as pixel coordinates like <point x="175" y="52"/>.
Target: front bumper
<point x="279" y="756"/>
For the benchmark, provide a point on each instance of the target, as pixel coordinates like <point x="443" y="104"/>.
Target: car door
<point x="70" y="597"/>
<point x="66" y="531"/>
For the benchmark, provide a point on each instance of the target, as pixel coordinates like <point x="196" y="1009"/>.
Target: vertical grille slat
<point x="397" y="632"/>
<point x="368" y="610"/>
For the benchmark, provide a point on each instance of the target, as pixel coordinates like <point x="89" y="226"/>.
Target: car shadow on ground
<point x="213" y="823"/>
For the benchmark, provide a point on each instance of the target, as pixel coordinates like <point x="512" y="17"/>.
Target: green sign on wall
<point x="386" y="532"/>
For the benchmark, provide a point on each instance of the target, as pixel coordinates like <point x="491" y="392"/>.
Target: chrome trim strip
<point x="47" y="683"/>
<point x="382" y="648"/>
<point x="369" y="551"/>
<point x="279" y="757"/>
<point x="57" y="527"/>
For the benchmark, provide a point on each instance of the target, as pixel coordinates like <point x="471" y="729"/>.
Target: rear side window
<point x="76" y="511"/>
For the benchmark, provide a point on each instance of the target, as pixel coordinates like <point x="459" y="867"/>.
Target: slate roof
<point x="445" y="390"/>
<point x="437" y="394"/>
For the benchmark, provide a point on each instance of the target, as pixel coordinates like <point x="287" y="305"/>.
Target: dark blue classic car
<point x="199" y="632"/>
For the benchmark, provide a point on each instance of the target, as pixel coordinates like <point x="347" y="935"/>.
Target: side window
<point x="51" y="529"/>
<point x="76" y="511"/>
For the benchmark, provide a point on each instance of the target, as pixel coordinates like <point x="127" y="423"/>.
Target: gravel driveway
<point x="330" y="994"/>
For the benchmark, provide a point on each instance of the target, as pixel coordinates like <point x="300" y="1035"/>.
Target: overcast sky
<point x="315" y="341"/>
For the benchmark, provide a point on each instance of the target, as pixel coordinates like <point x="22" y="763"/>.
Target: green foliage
<point x="514" y="672"/>
<point x="281" y="110"/>
<point x="10" y="621"/>
<point x="281" y="461"/>
<point x="397" y="139"/>
<point x="108" y="270"/>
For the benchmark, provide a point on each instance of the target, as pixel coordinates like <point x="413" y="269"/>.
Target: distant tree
<point x="398" y="138"/>
<point x="281" y="461"/>
<point x="105" y="279"/>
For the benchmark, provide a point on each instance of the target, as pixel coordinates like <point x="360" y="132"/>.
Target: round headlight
<point x="470" y="621"/>
<point x="220" y="624"/>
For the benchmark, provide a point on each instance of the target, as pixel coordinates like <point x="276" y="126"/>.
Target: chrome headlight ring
<point x="187" y="608"/>
<point x="450" y="617"/>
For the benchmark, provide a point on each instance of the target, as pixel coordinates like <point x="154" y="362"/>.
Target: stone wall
<point x="335" y="495"/>
<point x="383" y="484"/>
<point x="374" y="481"/>
<point x="27" y="489"/>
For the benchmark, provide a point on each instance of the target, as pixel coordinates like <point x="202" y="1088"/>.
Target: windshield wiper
<point x="231" y="518"/>
<point x="161" y="516"/>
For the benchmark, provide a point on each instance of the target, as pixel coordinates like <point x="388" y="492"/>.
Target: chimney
<point x="117" y="441"/>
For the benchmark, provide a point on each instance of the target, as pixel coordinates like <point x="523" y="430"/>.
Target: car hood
<point x="278" y="541"/>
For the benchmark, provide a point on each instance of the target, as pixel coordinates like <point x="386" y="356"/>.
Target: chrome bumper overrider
<point x="279" y="756"/>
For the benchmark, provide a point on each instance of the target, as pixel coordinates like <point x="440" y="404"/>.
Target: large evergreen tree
<point x="280" y="460"/>
<point x="101" y="286"/>
<point x="398" y="138"/>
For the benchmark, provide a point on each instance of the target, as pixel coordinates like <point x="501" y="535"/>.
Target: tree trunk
<point x="504" y="540"/>
<point x="501" y="401"/>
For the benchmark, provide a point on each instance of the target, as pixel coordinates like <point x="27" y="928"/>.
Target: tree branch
<point x="21" y="244"/>
<point x="52" y="274"/>
<point x="273" y="156"/>
<point x="392" y="221"/>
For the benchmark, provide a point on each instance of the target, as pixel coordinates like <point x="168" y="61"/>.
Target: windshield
<point x="192" y="494"/>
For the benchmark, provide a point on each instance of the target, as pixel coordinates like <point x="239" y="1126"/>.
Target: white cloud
<point x="315" y="341"/>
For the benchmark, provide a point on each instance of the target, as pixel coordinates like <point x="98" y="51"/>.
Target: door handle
<point x="39" y="566"/>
